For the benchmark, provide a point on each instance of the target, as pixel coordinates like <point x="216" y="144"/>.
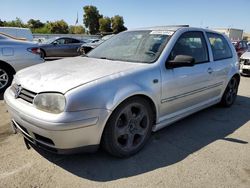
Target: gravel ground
<point x="208" y="149"/>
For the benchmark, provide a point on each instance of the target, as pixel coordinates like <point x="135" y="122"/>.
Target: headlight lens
<point x="50" y="102"/>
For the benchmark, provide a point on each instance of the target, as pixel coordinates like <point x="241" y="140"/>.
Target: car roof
<point x="175" y="28"/>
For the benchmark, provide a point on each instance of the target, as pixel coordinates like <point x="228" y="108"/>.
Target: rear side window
<point x="220" y="47"/>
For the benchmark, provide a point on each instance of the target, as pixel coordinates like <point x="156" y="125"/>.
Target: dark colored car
<point x="92" y="43"/>
<point x="241" y="47"/>
<point x="60" y="47"/>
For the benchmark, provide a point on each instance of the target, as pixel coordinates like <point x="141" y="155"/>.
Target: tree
<point x="91" y="19"/>
<point x="105" y="25"/>
<point x="15" y="23"/>
<point x="35" y="24"/>
<point x="118" y="24"/>
<point x="76" y="29"/>
<point x="1" y="23"/>
<point x="58" y="27"/>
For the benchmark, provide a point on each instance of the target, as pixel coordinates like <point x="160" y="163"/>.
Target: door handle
<point x="210" y="70"/>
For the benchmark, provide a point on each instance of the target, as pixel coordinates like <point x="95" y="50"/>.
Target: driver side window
<point x="191" y="44"/>
<point x="60" y="41"/>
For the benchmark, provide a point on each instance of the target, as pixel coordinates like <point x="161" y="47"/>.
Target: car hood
<point x="66" y="74"/>
<point x="246" y="55"/>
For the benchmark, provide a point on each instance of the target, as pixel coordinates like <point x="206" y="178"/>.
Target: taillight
<point x="34" y="50"/>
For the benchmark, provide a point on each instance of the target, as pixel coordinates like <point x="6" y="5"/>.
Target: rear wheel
<point x="42" y="54"/>
<point x="6" y="78"/>
<point x="128" y="128"/>
<point x="230" y="93"/>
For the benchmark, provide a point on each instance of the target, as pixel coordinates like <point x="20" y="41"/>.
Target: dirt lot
<point x="208" y="149"/>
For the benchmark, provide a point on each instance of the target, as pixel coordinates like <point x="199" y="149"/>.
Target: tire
<point x="42" y="54"/>
<point x="6" y="77"/>
<point x="128" y="128"/>
<point x="230" y="93"/>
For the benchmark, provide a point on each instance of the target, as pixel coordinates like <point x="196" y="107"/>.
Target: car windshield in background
<point x="49" y="41"/>
<point x="133" y="46"/>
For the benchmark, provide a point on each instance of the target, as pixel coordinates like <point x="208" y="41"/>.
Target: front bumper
<point x="245" y="69"/>
<point x="69" y="132"/>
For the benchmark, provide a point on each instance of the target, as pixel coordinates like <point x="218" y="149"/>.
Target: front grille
<point x="246" y="71"/>
<point x="246" y="61"/>
<point x="24" y="94"/>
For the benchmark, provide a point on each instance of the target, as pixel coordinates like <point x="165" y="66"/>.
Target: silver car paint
<point x="15" y="53"/>
<point x="100" y="89"/>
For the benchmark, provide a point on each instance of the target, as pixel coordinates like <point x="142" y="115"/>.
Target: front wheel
<point x="230" y="93"/>
<point x="6" y="78"/>
<point x="128" y="128"/>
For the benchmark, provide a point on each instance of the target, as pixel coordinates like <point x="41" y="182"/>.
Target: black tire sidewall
<point x="109" y="135"/>
<point x="10" y="75"/>
<point x="224" y="101"/>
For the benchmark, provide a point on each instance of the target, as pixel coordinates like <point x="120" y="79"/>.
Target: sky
<point x="136" y="13"/>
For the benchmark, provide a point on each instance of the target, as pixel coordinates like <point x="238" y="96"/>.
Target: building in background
<point x="246" y="36"/>
<point x="232" y="33"/>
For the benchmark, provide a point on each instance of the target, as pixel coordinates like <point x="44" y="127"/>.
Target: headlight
<point x="50" y="102"/>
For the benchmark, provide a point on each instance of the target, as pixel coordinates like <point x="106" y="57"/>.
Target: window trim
<point x="219" y="59"/>
<point x="206" y="44"/>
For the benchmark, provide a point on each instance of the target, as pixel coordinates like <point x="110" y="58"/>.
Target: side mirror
<point x="54" y="43"/>
<point x="180" y="61"/>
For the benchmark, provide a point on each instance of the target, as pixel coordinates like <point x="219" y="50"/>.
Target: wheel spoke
<point x="140" y="116"/>
<point x="120" y="131"/>
<point x="128" y="113"/>
<point x="140" y="131"/>
<point x="4" y="75"/>
<point x="130" y="141"/>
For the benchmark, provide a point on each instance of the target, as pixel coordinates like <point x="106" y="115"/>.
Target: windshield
<point x="133" y="46"/>
<point x="49" y="41"/>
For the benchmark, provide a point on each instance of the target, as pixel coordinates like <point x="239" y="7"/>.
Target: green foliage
<point x="76" y="30"/>
<point x="58" y="27"/>
<point x="1" y="23"/>
<point x="42" y="30"/>
<point x="118" y="24"/>
<point x="94" y="22"/>
<point x="14" y="23"/>
<point x="35" y="24"/>
<point x="105" y="25"/>
<point x="91" y="19"/>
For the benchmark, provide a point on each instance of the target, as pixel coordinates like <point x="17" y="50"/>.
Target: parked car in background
<point x="91" y="44"/>
<point x="60" y="47"/>
<point x="14" y="56"/>
<point x="245" y="63"/>
<point x="248" y="45"/>
<point x="241" y="47"/>
<point x="137" y="82"/>
<point x="9" y="36"/>
<point x="18" y="32"/>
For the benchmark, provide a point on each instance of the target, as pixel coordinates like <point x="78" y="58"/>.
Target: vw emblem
<point x="18" y="91"/>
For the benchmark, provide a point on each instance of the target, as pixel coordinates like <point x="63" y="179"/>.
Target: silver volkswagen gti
<point x="137" y="82"/>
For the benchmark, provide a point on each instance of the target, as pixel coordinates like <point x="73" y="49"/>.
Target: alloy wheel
<point x="4" y="78"/>
<point x="131" y="127"/>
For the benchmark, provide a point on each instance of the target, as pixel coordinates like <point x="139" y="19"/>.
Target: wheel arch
<point x="8" y="66"/>
<point x="43" y="51"/>
<point x="151" y="102"/>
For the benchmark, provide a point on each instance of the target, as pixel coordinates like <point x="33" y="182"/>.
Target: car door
<point x="221" y="60"/>
<point x="73" y="45"/>
<point x="186" y="88"/>
<point x="60" y="47"/>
